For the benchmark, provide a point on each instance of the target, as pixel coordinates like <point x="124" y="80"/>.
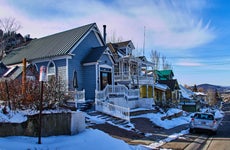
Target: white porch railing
<point x="122" y="76"/>
<point x="116" y="90"/>
<point x="80" y="96"/>
<point x="136" y="79"/>
<point x="113" y="110"/>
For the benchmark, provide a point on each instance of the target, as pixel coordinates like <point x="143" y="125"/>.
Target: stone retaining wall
<point x="52" y="124"/>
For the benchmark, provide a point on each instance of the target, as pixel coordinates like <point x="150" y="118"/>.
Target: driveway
<point x="145" y="131"/>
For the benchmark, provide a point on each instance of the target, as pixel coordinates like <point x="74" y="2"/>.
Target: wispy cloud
<point x="169" y="24"/>
<point x="189" y="63"/>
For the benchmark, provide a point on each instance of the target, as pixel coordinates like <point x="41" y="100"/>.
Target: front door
<point x="105" y="78"/>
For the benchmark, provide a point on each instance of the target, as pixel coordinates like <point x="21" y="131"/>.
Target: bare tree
<point x="211" y="94"/>
<point x="163" y="59"/>
<point x="114" y="38"/>
<point x="8" y="28"/>
<point x="155" y="58"/>
<point x="165" y="64"/>
<point x="9" y="25"/>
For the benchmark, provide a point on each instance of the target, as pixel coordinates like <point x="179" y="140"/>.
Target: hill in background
<point x="207" y="87"/>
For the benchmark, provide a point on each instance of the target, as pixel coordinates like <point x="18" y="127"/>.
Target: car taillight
<point x="192" y="119"/>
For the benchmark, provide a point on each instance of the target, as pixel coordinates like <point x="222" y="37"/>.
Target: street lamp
<point x="42" y="78"/>
<point x="75" y="86"/>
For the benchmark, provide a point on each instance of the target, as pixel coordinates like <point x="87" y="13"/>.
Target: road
<point x="204" y="140"/>
<point x="221" y="140"/>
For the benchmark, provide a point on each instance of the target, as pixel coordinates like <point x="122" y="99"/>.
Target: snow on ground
<point x="217" y="113"/>
<point x="155" y="145"/>
<point x="19" y="116"/>
<point x="12" y="116"/>
<point x="90" y="138"/>
<point x="166" y="124"/>
<point x="87" y="140"/>
<point x="98" y="120"/>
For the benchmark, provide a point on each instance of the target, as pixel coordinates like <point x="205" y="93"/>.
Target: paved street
<point x="204" y="140"/>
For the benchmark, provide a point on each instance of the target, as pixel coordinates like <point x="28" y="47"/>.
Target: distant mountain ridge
<point x="207" y="87"/>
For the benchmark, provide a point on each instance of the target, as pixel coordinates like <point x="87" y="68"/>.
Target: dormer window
<point x="51" y="71"/>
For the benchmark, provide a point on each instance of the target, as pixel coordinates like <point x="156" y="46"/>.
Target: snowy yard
<point x="91" y="138"/>
<point x="87" y="140"/>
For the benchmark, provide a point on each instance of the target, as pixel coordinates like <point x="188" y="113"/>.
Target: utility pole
<point x="144" y="43"/>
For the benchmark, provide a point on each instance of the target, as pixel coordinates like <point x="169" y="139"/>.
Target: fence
<point x="80" y="96"/>
<point x="113" y="110"/>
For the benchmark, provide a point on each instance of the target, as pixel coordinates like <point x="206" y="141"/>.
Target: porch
<point x="119" y="101"/>
<point x="133" y="70"/>
<point x="121" y="77"/>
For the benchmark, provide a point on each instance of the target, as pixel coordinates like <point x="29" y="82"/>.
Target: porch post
<point x="122" y="69"/>
<point x="163" y="97"/>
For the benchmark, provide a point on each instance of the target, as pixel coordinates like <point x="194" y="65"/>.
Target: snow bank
<point x="19" y="116"/>
<point x="89" y="139"/>
<point x="155" y="145"/>
<point x="13" y="117"/>
<point x="173" y="111"/>
<point x="166" y="124"/>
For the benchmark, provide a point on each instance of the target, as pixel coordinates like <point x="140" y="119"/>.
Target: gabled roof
<point x="3" y="68"/>
<point x="143" y="58"/>
<point x="123" y="44"/>
<point x="118" y="47"/>
<point x="164" y="74"/>
<point x="162" y="87"/>
<point x="12" y="73"/>
<point x="172" y="84"/>
<point x="94" y="55"/>
<point x="53" y="45"/>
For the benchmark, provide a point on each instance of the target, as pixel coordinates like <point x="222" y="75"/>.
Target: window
<point x="51" y="70"/>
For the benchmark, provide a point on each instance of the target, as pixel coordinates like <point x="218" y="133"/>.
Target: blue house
<point x="82" y="49"/>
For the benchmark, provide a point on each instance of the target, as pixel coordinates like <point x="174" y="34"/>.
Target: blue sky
<point x="192" y="35"/>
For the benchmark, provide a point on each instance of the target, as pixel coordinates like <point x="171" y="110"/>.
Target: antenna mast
<point x="144" y="43"/>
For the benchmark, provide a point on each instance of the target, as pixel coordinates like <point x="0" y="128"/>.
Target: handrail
<point x="116" y="90"/>
<point x="134" y="77"/>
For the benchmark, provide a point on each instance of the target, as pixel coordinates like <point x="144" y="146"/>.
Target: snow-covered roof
<point x="186" y="93"/>
<point x="200" y="94"/>
<point x="163" y="87"/>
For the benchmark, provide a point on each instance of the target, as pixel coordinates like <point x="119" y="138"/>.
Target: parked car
<point x="203" y="121"/>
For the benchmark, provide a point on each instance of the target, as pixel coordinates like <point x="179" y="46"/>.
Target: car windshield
<point x="204" y="116"/>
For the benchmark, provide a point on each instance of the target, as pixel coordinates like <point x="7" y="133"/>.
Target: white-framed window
<point x="51" y="70"/>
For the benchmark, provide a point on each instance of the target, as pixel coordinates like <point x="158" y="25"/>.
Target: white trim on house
<point x="36" y="66"/>
<point x="97" y="77"/>
<point x="105" y="66"/>
<point x="47" y="69"/>
<point x="67" y="74"/>
<point x="89" y="64"/>
<point x="108" y="52"/>
<point x="97" y="36"/>
<point x="53" y="59"/>
<point x="92" y="29"/>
